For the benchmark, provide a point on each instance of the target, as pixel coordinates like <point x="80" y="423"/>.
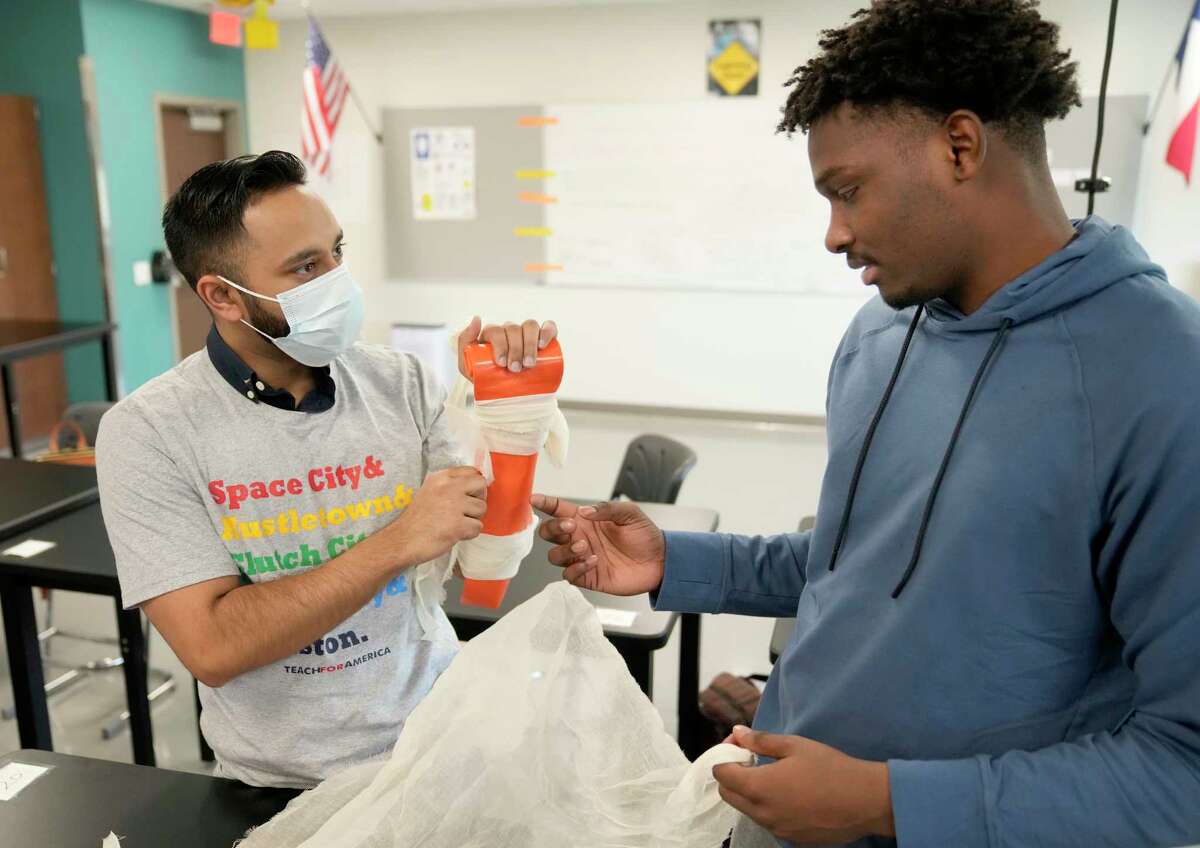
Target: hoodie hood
<point x="1100" y="254"/>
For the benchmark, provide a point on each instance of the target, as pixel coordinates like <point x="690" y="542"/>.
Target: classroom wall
<point x="763" y="353"/>
<point x="140" y="50"/>
<point x="40" y="59"/>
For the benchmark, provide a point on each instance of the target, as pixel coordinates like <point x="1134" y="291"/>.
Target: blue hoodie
<point x="1013" y="622"/>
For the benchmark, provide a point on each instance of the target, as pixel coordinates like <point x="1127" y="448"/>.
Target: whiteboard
<point x="686" y="195"/>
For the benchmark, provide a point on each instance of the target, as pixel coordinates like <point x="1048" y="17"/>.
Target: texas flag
<point x="1183" y="142"/>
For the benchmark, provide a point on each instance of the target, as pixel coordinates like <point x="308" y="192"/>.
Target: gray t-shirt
<point x="198" y="482"/>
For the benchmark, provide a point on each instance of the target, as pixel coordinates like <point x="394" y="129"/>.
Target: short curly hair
<point x="998" y="58"/>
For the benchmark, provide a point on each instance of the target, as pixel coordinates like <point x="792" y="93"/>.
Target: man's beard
<point x="264" y="321"/>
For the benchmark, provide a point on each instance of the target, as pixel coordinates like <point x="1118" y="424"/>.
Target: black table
<point x="635" y="642"/>
<point x="80" y="800"/>
<point x="22" y="339"/>
<point x="80" y="561"/>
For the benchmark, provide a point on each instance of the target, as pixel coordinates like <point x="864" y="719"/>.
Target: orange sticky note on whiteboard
<point x="541" y="268"/>
<point x="225" y="28"/>
<point x="535" y="197"/>
<point x="536" y="121"/>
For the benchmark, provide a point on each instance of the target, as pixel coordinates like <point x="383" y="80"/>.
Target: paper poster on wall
<point x="733" y="51"/>
<point x="443" y="173"/>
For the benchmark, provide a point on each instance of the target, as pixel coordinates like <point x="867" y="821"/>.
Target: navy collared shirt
<point x="248" y="384"/>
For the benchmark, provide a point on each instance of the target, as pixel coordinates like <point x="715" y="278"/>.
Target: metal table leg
<point x="12" y="409"/>
<point x="133" y="651"/>
<point x="641" y="666"/>
<point x="25" y="666"/>
<point x="690" y="720"/>
<point x="110" y="367"/>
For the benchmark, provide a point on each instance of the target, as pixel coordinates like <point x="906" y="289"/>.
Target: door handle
<point x="3" y="262"/>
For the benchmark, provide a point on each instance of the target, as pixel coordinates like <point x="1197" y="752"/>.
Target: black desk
<point x="21" y="339"/>
<point x="80" y="800"/>
<point x="637" y="642"/>
<point x="80" y="561"/>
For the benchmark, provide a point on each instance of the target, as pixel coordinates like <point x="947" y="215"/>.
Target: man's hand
<point x="610" y="547"/>
<point x="811" y="794"/>
<point x="446" y="509"/>
<point x="514" y="346"/>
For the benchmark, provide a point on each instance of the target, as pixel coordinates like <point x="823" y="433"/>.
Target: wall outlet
<point x="141" y="272"/>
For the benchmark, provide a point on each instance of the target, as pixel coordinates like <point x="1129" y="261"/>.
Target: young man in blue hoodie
<point x="997" y="613"/>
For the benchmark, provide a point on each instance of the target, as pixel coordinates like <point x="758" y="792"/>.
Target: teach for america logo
<point x="347" y="646"/>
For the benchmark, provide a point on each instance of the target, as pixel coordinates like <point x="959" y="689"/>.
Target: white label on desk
<point x="615" y="617"/>
<point x="29" y="548"/>
<point x="16" y="776"/>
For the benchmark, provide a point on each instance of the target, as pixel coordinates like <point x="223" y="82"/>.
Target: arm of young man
<point x="615" y="548"/>
<point x="199" y="602"/>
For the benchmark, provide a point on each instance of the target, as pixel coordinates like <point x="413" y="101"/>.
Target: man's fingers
<point x="557" y="531"/>
<point x="529" y="339"/>
<point x="516" y="346"/>
<point x="498" y="339"/>
<point x="475" y="507"/>
<point x="554" y="506"/>
<point x="737" y="778"/>
<point x="561" y="555"/>
<point x="738" y="802"/>
<point x="469" y="334"/>
<point x="578" y="571"/>
<point x="771" y="745"/>
<point x="548" y="333"/>
<point x="618" y="512"/>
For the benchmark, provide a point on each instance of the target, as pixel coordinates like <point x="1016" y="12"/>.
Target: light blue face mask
<point x="324" y="317"/>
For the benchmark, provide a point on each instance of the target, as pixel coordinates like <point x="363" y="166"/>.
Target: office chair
<point x="654" y="469"/>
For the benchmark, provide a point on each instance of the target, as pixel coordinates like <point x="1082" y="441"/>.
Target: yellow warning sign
<point x="733" y="69"/>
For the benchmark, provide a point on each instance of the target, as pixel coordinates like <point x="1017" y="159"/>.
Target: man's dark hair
<point x="998" y="58"/>
<point x="202" y="221"/>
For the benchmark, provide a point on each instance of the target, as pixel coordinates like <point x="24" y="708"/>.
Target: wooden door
<point x="27" y="265"/>
<point x="185" y="151"/>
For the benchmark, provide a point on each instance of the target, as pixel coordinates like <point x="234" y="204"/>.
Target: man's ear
<point x="220" y="298"/>
<point x="966" y="143"/>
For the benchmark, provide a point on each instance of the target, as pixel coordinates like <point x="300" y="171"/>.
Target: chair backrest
<point x="654" y="469"/>
<point x="87" y="417"/>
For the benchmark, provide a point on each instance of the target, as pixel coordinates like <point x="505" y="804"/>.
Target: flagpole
<point x="1153" y="107"/>
<point x="362" y="112"/>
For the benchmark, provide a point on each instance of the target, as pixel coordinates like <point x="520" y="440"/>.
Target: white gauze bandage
<point x="519" y="426"/>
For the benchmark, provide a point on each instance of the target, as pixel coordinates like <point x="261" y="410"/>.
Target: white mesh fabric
<point x="535" y="737"/>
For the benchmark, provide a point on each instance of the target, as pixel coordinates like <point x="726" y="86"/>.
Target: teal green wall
<point x="40" y="48"/>
<point x="141" y="50"/>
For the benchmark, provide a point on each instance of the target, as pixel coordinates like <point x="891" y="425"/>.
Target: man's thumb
<point x="470" y="332"/>
<point x="768" y="744"/>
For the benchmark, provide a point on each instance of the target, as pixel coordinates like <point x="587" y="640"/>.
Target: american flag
<point x="1182" y="147"/>
<point x="325" y="92"/>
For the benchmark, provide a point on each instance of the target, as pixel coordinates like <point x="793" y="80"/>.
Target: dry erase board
<point x="689" y="195"/>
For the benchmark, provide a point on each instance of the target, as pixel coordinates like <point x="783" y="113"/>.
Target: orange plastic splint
<point x="508" y="510"/>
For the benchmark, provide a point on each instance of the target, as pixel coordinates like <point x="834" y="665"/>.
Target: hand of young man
<point x="514" y="346"/>
<point x="609" y="547"/>
<point x="812" y="794"/>
<point x="448" y="508"/>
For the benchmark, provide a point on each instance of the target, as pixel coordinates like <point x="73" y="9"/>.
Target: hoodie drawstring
<point x="1005" y="326"/>
<point x="862" y="454"/>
